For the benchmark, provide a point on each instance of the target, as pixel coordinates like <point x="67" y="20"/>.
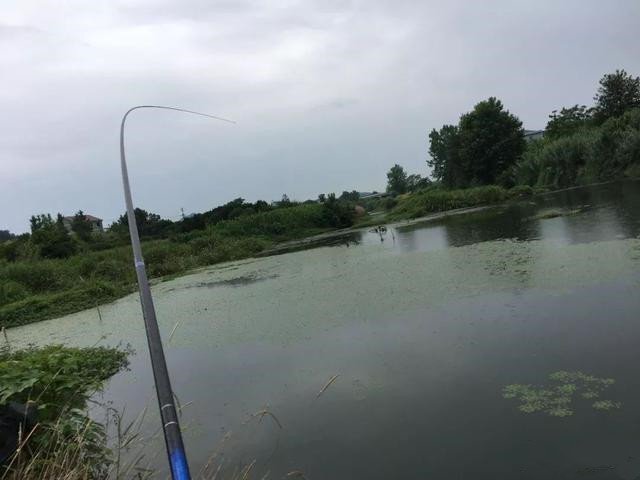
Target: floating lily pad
<point x="556" y="398"/>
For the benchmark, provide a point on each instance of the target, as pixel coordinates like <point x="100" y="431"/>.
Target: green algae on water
<point x="557" y="397"/>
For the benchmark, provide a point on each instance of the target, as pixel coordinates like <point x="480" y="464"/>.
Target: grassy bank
<point x="53" y="384"/>
<point x="37" y="288"/>
<point x="434" y="200"/>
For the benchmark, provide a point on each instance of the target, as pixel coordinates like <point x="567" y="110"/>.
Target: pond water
<point x="424" y="325"/>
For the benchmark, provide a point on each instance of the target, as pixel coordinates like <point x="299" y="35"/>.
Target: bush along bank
<point x="434" y="200"/>
<point x="43" y="404"/>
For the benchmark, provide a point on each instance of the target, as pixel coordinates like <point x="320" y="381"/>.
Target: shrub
<point x="114" y="270"/>
<point x="11" y="291"/>
<point x="628" y="154"/>
<point x="590" y="155"/>
<point x="437" y="200"/>
<point x="65" y="443"/>
<point x="562" y="162"/>
<point x="37" y="276"/>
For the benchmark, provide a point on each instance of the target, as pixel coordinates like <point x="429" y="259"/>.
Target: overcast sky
<point x="327" y="95"/>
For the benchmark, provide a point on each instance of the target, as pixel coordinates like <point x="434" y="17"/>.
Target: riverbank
<point x="41" y="289"/>
<point x="37" y="289"/>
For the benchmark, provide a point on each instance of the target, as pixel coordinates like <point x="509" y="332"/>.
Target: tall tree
<point x="567" y="121"/>
<point x="397" y="180"/>
<point x="443" y="145"/>
<point x="618" y="92"/>
<point x="490" y="141"/>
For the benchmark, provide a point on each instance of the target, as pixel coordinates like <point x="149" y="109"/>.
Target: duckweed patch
<point x="558" y="396"/>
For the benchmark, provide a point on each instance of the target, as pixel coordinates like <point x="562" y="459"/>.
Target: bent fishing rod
<point x="168" y="413"/>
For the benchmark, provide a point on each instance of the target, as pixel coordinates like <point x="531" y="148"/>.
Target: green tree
<point x="51" y="237"/>
<point x="618" y="92"/>
<point x="337" y="213"/>
<point x="416" y="182"/>
<point x="443" y="149"/>
<point x="322" y="198"/>
<point x="396" y="180"/>
<point x="81" y="226"/>
<point x="352" y="196"/>
<point x="41" y="221"/>
<point x="285" y="201"/>
<point x="6" y="235"/>
<point x="491" y="140"/>
<point x="568" y="121"/>
<point x="149" y="224"/>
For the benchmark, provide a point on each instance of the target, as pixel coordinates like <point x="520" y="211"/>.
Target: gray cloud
<point x="327" y="95"/>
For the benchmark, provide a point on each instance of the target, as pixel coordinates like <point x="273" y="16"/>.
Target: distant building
<point x="96" y="223"/>
<point x="531" y="135"/>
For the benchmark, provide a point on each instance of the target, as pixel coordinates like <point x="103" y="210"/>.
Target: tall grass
<point x="594" y="154"/>
<point x="36" y="289"/>
<point x="439" y="200"/>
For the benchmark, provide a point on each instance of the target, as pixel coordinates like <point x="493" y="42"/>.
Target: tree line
<point x="581" y="143"/>
<point x="49" y="237"/>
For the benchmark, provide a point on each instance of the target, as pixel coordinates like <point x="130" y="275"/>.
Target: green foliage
<point x="556" y="399"/>
<point x="337" y="213"/>
<point x="618" y="93"/>
<point x="567" y="121"/>
<point x="51" y="237"/>
<point x="45" y="288"/>
<point x="439" y="200"/>
<point x="6" y="235"/>
<point x="416" y="182"/>
<point x="559" y="163"/>
<point x="59" y="381"/>
<point x="352" y="196"/>
<point x="50" y="305"/>
<point x="81" y="226"/>
<point x="589" y="155"/>
<point x="20" y="248"/>
<point x="292" y="222"/>
<point x="41" y="276"/>
<point x="443" y="150"/>
<point x="389" y="203"/>
<point x="486" y="142"/>
<point x="149" y="224"/>
<point x="56" y="377"/>
<point x="41" y="221"/>
<point x="11" y="291"/>
<point x="397" y="180"/>
<point x="490" y="141"/>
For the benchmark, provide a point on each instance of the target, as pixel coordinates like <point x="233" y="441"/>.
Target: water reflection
<point x="605" y="212"/>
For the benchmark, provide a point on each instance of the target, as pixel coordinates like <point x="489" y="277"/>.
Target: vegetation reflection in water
<point x="556" y="398"/>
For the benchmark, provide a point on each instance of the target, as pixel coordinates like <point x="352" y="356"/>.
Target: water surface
<point x="424" y="325"/>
